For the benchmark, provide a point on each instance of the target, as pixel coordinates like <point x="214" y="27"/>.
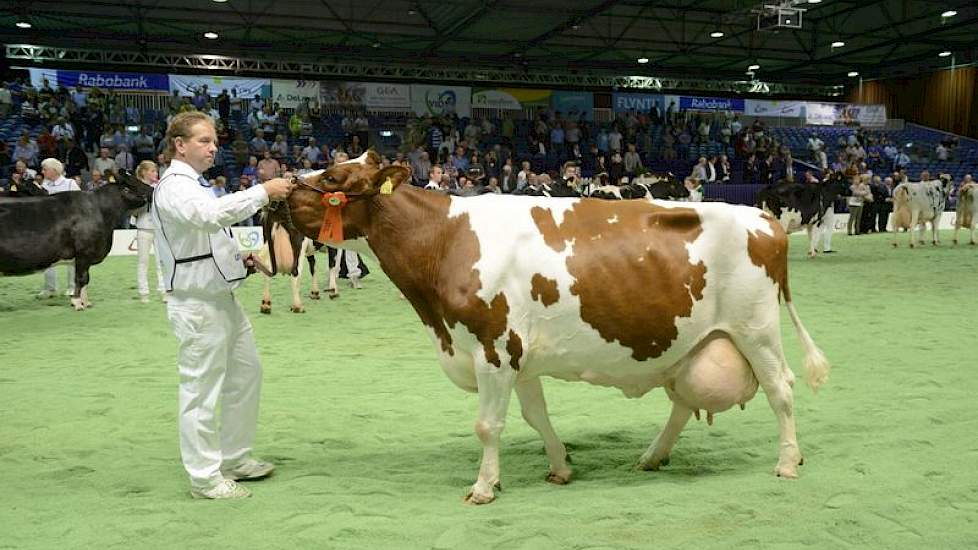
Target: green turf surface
<point x="375" y="446"/>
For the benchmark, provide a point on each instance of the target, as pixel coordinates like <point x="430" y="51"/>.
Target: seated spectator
<point x="268" y="168"/>
<point x="76" y="159"/>
<point x="95" y="181"/>
<point x="251" y="171"/>
<point x="258" y="145"/>
<point x="124" y="160"/>
<point x="280" y="149"/>
<point x="633" y="162"/>
<point x="312" y="152"/>
<point x="105" y="163"/>
<point x="239" y="148"/>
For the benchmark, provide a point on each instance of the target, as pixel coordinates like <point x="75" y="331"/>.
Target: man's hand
<point x="278" y="188"/>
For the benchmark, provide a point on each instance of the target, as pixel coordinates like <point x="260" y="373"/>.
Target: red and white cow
<point x="629" y="294"/>
<point x="967" y="212"/>
<point x="916" y="203"/>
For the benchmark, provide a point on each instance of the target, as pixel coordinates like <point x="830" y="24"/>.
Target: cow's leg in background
<point x="314" y="285"/>
<point x="813" y="234"/>
<point x="495" y="389"/>
<point x="295" y="283"/>
<point x="352" y="260"/>
<point x="79" y="299"/>
<point x="534" y="408"/>
<point x="334" y="272"/>
<point x="828" y="226"/>
<point x="935" y="229"/>
<point x="914" y="221"/>
<point x="266" y="295"/>
<point x="658" y="452"/>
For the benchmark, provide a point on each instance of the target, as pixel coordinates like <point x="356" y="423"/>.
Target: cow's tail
<point x="816" y="364"/>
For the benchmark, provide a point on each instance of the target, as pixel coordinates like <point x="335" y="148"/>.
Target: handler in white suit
<point x="148" y="173"/>
<point x="218" y="360"/>
<point x="56" y="182"/>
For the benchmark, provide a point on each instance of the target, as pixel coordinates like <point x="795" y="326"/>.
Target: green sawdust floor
<point x="375" y="446"/>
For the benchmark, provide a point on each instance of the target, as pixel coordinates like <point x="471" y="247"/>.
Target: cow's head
<point x="947" y="183"/>
<point x="360" y="180"/>
<point x="135" y="194"/>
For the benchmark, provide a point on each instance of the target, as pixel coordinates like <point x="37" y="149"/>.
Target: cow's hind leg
<point x="266" y="297"/>
<point x="495" y="389"/>
<point x="534" y="408"/>
<point x="314" y="286"/>
<point x="658" y="452"/>
<point x="79" y="300"/>
<point x="766" y="358"/>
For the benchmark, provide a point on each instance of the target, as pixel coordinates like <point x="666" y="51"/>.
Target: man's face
<point x="436" y="174"/>
<point x="50" y="174"/>
<point x="104" y="152"/>
<point x="198" y="149"/>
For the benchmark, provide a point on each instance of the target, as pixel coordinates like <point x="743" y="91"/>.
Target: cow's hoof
<point x="652" y="464"/>
<point x="314" y="295"/>
<point x="333" y="295"/>
<point x="266" y="310"/>
<point x="895" y="245"/>
<point x="559" y="478"/>
<point x="77" y="304"/>
<point x="478" y="496"/>
<point x="786" y="471"/>
<point x="297" y="309"/>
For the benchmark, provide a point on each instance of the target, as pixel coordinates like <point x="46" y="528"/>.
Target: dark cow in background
<point x="41" y="231"/>
<point x="802" y="205"/>
<point x="28" y="189"/>
<point x="647" y="186"/>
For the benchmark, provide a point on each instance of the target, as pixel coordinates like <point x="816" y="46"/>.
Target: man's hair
<point x="181" y="126"/>
<point x="54" y="164"/>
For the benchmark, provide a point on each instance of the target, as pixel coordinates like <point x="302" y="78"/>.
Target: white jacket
<point x="60" y="185"/>
<point x="198" y="254"/>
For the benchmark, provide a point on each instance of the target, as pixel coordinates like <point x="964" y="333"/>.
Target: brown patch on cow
<point x="634" y="277"/>
<point x="431" y="257"/>
<point x="544" y="290"/>
<point x="771" y="253"/>
<point x="514" y="346"/>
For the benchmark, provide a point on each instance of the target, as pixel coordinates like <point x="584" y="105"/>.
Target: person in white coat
<point x="148" y="173"/>
<point x="202" y="266"/>
<point x="55" y="182"/>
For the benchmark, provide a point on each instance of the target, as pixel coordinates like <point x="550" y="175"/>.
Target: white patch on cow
<point x="312" y="174"/>
<point x="362" y="159"/>
<point x="613" y="219"/>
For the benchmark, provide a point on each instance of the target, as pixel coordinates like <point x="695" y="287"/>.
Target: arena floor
<point x="375" y="446"/>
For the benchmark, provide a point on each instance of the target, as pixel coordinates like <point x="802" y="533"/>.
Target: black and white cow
<point x="647" y="186"/>
<point x="799" y="206"/>
<point x="29" y="189"/>
<point x="41" y="231"/>
<point x="916" y="203"/>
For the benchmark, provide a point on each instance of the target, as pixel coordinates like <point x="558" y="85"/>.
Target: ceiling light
<point x="716" y="34"/>
<point x="210" y="35"/>
<point x="814" y="1"/>
<point x="753" y="67"/>
<point x="853" y="73"/>
<point x="375" y="45"/>
<point x="838" y="44"/>
<point x="412" y="12"/>
<point x="944" y="54"/>
<point x="575" y="27"/>
<point x="949" y="13"/>
<point x="220" y="1"/>
<point x="643" y="60"/>
<point x="23" y="25"/>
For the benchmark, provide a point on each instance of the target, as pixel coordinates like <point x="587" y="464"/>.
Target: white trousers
<point x="51" y="278"/>
<point x="144" y="244"/>
<point x="828" y="227"/>
<point x="219" y="366"/>
<point x="352" y="260"/>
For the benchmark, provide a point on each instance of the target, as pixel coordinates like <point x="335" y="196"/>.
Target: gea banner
<point x="711" y="103"/>
<point x="372" y="96"/>
<point x="289" y="94"/>
<point x="246" y="88"/>
<point x="574" y="105"/>
<point x="785" y="109"/>
<point x="845" y="114"/>
<point x="637" y="102"/>
<point x="441" y="100"/>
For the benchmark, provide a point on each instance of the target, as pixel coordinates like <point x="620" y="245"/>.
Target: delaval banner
<point x="642" y="103"/>
<point x="440" y="100"/>
<point x="784" y="109"/>
<point x="246" y="88"/>
<point x="693" y="103"/>
<point x="845" y="114"/>
<point x="574" y="105"/>
<point x="289" y="94"/>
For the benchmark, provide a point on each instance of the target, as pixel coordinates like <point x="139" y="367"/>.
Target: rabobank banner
<point x="289" y="94"/>
<point x="784" y="109"/>
<point x="437" y="100"/>
<point x="637" y="102"/>
<point x="101" y="79"/>
<point x="573" y="105"/>
<point x="694" y="103"/>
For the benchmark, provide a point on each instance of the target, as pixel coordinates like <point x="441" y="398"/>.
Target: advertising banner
<point x="495" y="99"/>
<point x="116" y="81"/>
<point x="694" y="103"/>
<point x="246" y="88"/>
<point x="785" y="109"/>
<point x="637" y="102"/>
<point x="845" y="114"/>
<point x="372" y="96"/>
<point x="574" y="105"/>
<point x="289" y="94"/>
<point x="124" y="240"/>
<point x="438" y="100"/>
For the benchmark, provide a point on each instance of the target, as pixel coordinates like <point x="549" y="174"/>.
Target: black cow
<point x="29" y="189"/>
<point x="802" y="205"/>
<point x="41" y="231"/>
<point x="647" y="186"/>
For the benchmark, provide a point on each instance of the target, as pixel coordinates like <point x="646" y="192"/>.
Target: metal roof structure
<point x="529" y="42"/>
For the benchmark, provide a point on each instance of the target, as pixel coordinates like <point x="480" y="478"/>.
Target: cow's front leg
<point x="810" y="229"/>
<point x="534" y="408"/>
<point x="495" y="388"/>
<point x="314" y="287"/>
<point x="296" y="299"/>
<point x="266" y="296"/>
<point x="79" y="300"/>
<point x="658" y="452"/>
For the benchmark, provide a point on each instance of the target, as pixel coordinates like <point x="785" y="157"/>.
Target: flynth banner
<point x="711" y="103"/>
<point x="289" y="94"/>
<point x="372" y="96"/>
<point x="642" y="103"/>
<point x="574" y="105"/>
<point x="441" y="100"/>
<point x="495" y="99"/>
<point x="844" y="114"/>
<point x="785" y="109"/>
<point x="246" y="88"/>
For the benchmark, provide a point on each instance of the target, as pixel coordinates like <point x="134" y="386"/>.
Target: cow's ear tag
<point x="387" y="188"/>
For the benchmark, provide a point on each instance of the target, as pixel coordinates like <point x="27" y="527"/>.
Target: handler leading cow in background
<point x="217" y="357"/>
